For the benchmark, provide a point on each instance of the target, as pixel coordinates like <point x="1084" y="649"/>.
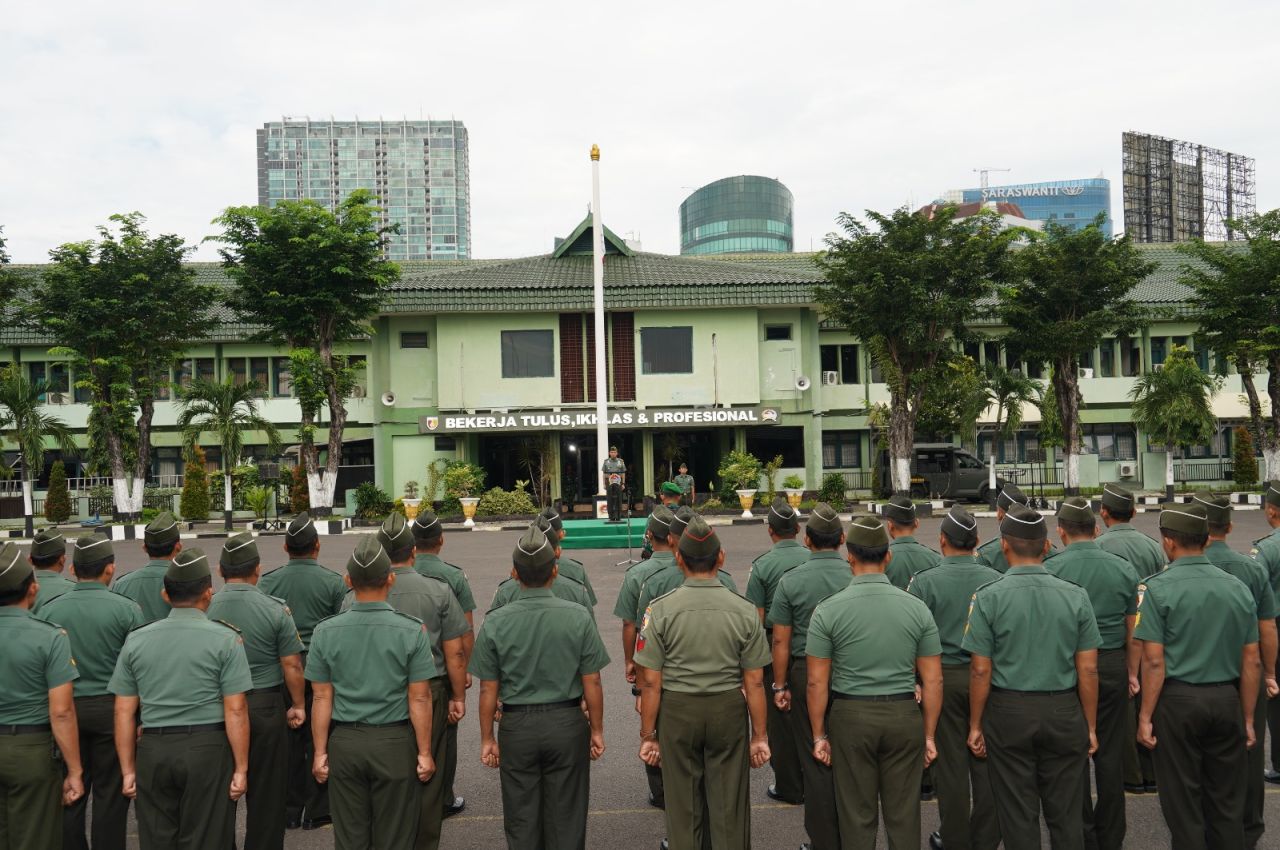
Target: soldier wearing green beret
<point x="668" y="501"/>
<point x="1266" y="551"/>
<point x="700" y="648"/>
<point x="97" y="623"/>
<point x="1033" y="644"/>
<point x="37" y="710"/>
<point x="1200" y="672"/>
<point x="615" y="480"/>
<point x="371" y="668"/>
<point x="568" y="566"/>
<point x="162" y="542"/>
<point x="1112" y="585"/>
<point x="541" y="656"/>
<point x="960" y="777"/>
<point x="797" y="595"/>
<point x="990" y="552"/>
<point x="49" y="557"/>
<point x="312" y="592"/>
<point x="274" y="652"/>
<point x="190" y="675"/>
<point x="866" y="645"/>
<point x="910" y="556"/>
<point x="688" y="490"/>
<point x="563" y="587"/>
<point x="783" y="525"/>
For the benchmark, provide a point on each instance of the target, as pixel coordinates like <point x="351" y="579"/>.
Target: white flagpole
<point x="602" y="387"/>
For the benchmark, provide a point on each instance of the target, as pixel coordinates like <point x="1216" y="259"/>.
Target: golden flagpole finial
<point x="595" y="153"/>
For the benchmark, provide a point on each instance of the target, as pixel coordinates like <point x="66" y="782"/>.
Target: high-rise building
<point x="1070" y="203"/>
<point x="736" y="215"/>
<point x="1175" y="190"/>
<point x="417" y="169"/>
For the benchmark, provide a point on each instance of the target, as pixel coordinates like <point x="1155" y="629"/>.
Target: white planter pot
<point x="469" y="510"/>
<point x="746" y="498"/>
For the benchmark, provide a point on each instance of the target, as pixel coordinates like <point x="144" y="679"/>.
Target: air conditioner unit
<point x="1127" y="469"/>
<point x="830" y="378"/>
<point x="56" y="398"/>
<point x="358" y="391"/>
<point x="1085" y="373"/>
<point x="1157" y="367"/>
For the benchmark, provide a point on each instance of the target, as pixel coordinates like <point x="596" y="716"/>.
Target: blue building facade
<point x="1071" y="203"/>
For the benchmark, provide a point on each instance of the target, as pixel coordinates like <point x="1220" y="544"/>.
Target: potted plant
<point x="793" y="485"/>
<point x="258" y="499"/>
<point x="740" y="472"/>
<point x="411" y="500"/>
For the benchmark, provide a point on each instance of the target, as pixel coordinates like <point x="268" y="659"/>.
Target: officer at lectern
<point x="615" y="479"/>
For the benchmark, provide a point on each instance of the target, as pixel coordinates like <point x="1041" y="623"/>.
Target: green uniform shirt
<point x="576" y="571"/>
<point x="266" y="625"/>
<point x="143" y="586"/>
<point x="1129" y="543"/>
<point x="873" y="633"/>
<point x="562" y="588"/>
<point x="432" y="567"/>
<point x="1248" y="571"/>
<point x="627" y="607"/>
<point x="768" y="569"/>
<point x="992" y="555"/>
<point x="1266" y="550"/>
<point x="180" y="668"/>
<point x="537" y="648"/>
<point x="36" y="659"/>
<point x="802" y="589"/>
<point x="97" y="622"/>
<point x="613" y="466"/>
<point x="910" y="556"/>
<point x="667" y="579"/>
<point x="946" y="589"/>
<point x="311" y="590"/>
<point x="1110" y="581"/>
<point x="1203" y="616"/>
<point x="701" y="636"/>
<point x="52" y="585"/>
<point x="1031" y="625"/>
<point x="684" y="482"/>
<point x="370" y="654"/>
<point x="430" y="601"/>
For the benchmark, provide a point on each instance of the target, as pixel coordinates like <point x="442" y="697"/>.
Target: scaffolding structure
<point x="1175" y="190"/>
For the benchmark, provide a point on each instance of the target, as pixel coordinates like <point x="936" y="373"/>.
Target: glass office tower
<point x="737" y="215"/>
<point x="1071" y="203"/>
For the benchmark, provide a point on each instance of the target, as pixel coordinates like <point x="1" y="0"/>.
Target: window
<point x="445" y="444"/>
<point x="1107" y="358"/>
<point x="259" y="373"/>
<point x="182" y="373"/>
<point x="991" y="352"/>
<point x="1110" y="441"/>
<point x="841" y="359"/>
<point x="667" y="351"/>
<point x="83" y="395"/>
<point x="777" y="332"/>
<point x="773" y="440"/>
<point x="238" y="369"/>
<point x="59" y="378"/>
<point x="841" y="449"/>
<point x="204" y="369"/>
<point x="1130" y="357"/>
<point x="360" y="364"/>
<point x="1159" y="350"/>
<point x="528" y="354"/>
<point x="37" y="371"/>
<point x="282" y="377"/>
<point x="413" y="339"/>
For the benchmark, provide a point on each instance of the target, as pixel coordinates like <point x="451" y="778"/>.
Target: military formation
<point x="1019" y="679"/>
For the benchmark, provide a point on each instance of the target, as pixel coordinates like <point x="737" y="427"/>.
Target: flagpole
<point x="602" y="387"/>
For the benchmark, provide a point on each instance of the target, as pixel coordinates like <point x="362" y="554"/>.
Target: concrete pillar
<point x="648" y="461"/>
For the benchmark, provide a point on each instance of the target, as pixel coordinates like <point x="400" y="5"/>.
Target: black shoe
<point x="663" y="845"/>
<point x="1149" y="787"/>
<point x="293" y="823"/>
<point x="926" y="793"/>
<point x="656" y="803"/>
<point x="454" y="807"/>
<point x="774" y="795"/>
<point x="316" y="823"/>
<point x="935" y="841"/>
<point x="1131" y="788"/>
<point x="1272" y="776"/>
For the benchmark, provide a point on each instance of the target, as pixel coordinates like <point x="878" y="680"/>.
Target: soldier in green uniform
<point x="1033" y="643"/>
<point x="562" y="588"/>
<point x="1218" y="511"/>
<point x="428" y="538"/>
<point x="1266" y="551"/>
<point x="990" y="553"/>
<point x="797" y="595"/>
<point x="910" y="556"/>
<point x="960" y="777"/>
<point x="666" y="579"/>
<point x="615" y="481"/>
<point x="701" y="648"/>
<point x="542" y="657"/>
<point x="1200" y="671"/>
<point x="669" y="499"/>
<point x="274" y="652"/>
<point x="568" y="566"/>
<point x="1112" y="585"/>
<point x="190" y="675"/>
<point x="312" y="592"/>
<point x="783" y="525"/>
<point x="37" y="710"/>
<point x="162" y="542"/>
<point x="49" y="557"/>
<point x="688" y="490"/>
<point x="866" y="645"/>
<point x="371" y="668"/>
<point x="97" y="622"/>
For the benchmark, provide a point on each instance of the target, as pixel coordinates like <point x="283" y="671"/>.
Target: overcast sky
<point x="152" y="106"/>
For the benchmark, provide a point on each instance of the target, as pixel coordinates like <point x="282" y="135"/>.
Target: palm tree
<point x="1173" y="405"/>
<point x="24" y="422"/>
<point x="228" y="410"/>
<point x="1009" y="390"/>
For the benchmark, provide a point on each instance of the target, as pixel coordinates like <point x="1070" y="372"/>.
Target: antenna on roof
<point x="984" y="174"/>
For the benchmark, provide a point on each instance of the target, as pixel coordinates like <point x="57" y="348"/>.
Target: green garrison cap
<point x="533" y="549"/>
<point x="823" y="519"/>
<point x="1217" y="509"/>
<point x="553" y="517"/>
<point x="369" y="564"/>
<point x="659" y="524"/>
<point x="1117" y="498"/>
<point x="900" y="509"/>
<point x="1010" y="495"/>
<point x="544" y="525"/>
<point x="239" y="551"/>
<point x="868" y="532"/>
<point x="162" y="530"/>
<point x="427" y="526"/>
<point x="48" y="543"/>
<point x="699" y="539"/>
<point x="1272" y="496"/>
<point x="1076" y="509"/>
<point x="91" y="549"/>
<point x="188" y="565"/>
<point x="1022" y="522"/>
<point x="394" y="533"/>
<point x="680" y="520"/>
<point x="670" y="488"/>
<point x="783" y="518"/>
<point x="1186" y="519"/>
<point x="301" y="533"/>
<point x="960" y="526"/>
<point x="14" y="568"/>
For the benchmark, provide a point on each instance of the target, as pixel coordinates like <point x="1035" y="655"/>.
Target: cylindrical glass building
<point x="744" y="214"/>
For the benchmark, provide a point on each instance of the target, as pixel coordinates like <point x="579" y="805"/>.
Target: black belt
<point x="24" y="728"/>
<point x="184" y="730"/>
<point x="545" y="706"/>
<point x="356" y="724"/>
<point x="253" y="692"/>
<point x="1230" y="683"/>
<point x="1001" y="690"/>
<point x="874" y="697"/>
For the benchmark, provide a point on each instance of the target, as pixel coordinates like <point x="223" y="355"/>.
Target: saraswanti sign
<point x="550" y="420"/>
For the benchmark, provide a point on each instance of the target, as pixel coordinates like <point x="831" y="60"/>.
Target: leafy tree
<point x="1237" y="304"/>
<point x="310" y="279"/>
<point x="25" y="423"/>
<point x="908" y="288"/>
<point x="1070" y="290"/>
<point x="1050" y="431"/>
<point x="8" y="281"/>
<point x="1243" y="462"/>
<point x="1008" y="390"/>
<point x="1173" y="406"/>
<point x="832" y="490"/>
<point x="57" y="502"/>
<point x="228" y="410"/>
<point x="298" y="496"/>
<point x="194" y="504"/>
<point x="954" y="397"/>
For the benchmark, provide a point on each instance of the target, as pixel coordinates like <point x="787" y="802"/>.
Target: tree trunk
<point x="1066" y="389"/>
<point x="337" y="423"/>
<point x="226" y="492"/>
<point x="902" y="433"/>
<point x="28" y="500"/>
<point x="119" y="479"/>
<point x="136" y="497"/>
<point x="142" y="467"/>
<point x="1271" y="439"/>
<point x="1168" y="473"/>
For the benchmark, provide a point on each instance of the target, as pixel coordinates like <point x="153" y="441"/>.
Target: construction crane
<point x="985" y="173"/>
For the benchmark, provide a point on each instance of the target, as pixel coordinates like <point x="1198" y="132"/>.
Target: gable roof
<point x="580" y="242"/>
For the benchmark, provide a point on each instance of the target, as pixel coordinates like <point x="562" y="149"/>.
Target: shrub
<point x="371" y="501"/>
<point x="832" y="490"/>
<point x="793" y="482"/>
<point x="398" y="508"/>
<point x="194" y="504"/>
<point x="708" y="505"/>
<point x="770" y="471"/>
<point x="258" y="498"/>
<point x="462" y="479"/>
<point x="57" y="502"/>
<point x="1246" y="468"/>
<point x="738" y="471"/>
<point x="299" y="492"/>
<point x="499" y="502"/>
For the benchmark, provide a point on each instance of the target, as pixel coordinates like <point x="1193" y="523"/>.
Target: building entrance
<point x="579" y="465"/>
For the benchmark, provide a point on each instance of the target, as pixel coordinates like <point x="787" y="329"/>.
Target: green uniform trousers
<point x="546" y="777"/>
<point x="1138" y="767"/>
<point x="450" y="759"/>
<point x="375" y="794"/>
<point x="307" y="798"/>
<point x="183" y="782"/>
<point x="965" y="804"/>
<point x="30" y="792"/>
<point x="1200" y="764"/>
<point x="703" y="739"/>
<point x="268" y="771"/>
<point x="877" y="758"/>
<point x="431" y="815"/>
<point x="1104" y="821"/>
<point x="1255" y="796"/>
<point x="784" y="759"/>
<point x="1037" y="746"/>
<point x="821" y="820"/>
<point x="95" y="717"/>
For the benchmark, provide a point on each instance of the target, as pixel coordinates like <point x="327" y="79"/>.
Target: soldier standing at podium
<point x="615" y="479"/>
